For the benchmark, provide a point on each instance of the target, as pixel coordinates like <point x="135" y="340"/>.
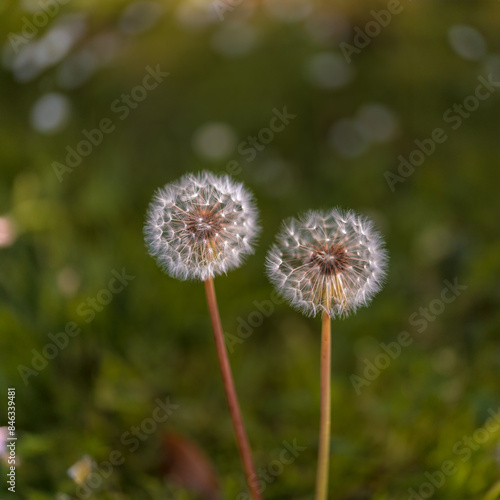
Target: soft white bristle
<point x="331" y="261"/>
<point x="201" y="226"/>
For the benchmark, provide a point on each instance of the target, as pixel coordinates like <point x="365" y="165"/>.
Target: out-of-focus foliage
<point x="65" y="228"/>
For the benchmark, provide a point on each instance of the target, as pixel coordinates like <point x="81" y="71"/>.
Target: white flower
<point x="81" y="470"/>
<point x="330" y="261"/>
<point x="200" y="226"/>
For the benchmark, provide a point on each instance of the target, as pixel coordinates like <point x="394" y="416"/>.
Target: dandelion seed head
<point x="81" y="470"/>
<point x="332" y="261"/>
<point x="200" y="226"/>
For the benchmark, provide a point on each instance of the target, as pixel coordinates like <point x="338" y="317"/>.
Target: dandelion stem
<point x="324" y="428"/>
<point x="232" y="399"/>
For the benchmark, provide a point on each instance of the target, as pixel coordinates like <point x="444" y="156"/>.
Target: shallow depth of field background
<point x="61" y="239"/>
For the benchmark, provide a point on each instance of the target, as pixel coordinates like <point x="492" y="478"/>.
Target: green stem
<point x="324" y="427"/>
<point x="232" y="399"/>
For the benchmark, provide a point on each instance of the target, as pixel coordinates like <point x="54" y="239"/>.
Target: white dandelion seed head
<point x="81" y="470"/>
<point x="200" y="226"/>
<point x="332" y="261"/>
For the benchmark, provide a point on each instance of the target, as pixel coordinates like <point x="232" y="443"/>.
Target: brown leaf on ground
<point x="189" y="467"/>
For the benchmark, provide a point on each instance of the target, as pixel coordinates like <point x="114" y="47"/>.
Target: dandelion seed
<point x="81" y="470"/>
<point x="201" y="226"/>
<point x="327" y="261"/>
<point x="196" y="228"/>
<point x="330" y="262"/>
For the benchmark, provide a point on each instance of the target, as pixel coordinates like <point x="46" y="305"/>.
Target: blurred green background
<point x="64" y="230"/>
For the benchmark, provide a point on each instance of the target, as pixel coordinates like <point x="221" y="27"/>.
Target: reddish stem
<point x="324" y="426"/>
<point x="232" y="399"/>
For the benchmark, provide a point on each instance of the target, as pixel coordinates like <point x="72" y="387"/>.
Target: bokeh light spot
<point x="50" y="113"/>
